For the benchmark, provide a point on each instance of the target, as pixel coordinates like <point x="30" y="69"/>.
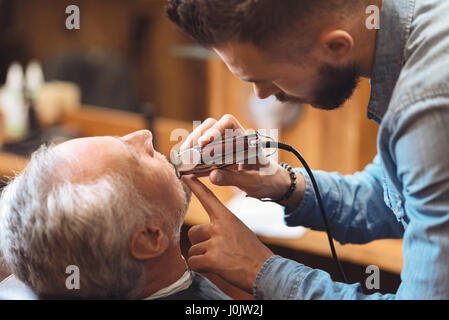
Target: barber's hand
<point x="225" y="247"/>
<point x="246" y="177"/>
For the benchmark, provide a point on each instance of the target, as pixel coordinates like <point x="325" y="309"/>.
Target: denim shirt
<point x="200" y="289"/>
<point x="404" y="193"/>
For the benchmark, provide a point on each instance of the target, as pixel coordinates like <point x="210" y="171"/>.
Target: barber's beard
<point x="335" y="86"/>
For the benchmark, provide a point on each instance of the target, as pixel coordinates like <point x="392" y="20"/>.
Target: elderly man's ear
<point x="148" y="242"/>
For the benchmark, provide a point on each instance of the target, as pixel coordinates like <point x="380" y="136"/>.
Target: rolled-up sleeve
<point x="283" y="279"/>
<point x="354" y="206"/>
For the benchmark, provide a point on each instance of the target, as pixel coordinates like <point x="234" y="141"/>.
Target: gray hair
<point x="48" y="223"/>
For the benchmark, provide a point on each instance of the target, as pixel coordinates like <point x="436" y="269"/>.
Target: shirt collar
<point x="395" y="20"/>
<point x="181" y="284"/>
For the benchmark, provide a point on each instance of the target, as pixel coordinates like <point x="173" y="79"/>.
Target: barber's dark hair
<point x="216" y="22"/>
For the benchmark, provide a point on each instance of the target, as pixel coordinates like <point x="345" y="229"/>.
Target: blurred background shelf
<point x="135" y="34"/>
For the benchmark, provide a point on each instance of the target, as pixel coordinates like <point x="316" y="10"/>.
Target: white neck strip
<point x="181" y="284"/>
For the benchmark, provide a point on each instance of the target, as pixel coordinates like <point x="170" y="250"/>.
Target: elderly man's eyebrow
<point x="131" y="149"/>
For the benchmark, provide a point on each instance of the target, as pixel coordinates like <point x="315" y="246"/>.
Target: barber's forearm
<point x="354" y="207"/>
<point x="283" y="279"/>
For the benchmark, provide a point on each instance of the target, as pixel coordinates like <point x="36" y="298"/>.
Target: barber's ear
<point x="148" y="242"/>
<point x="337" y="43"/>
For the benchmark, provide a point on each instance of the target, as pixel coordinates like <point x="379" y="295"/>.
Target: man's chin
<point x="297" y="101"/>
<point x="326" y="107"/>
<point x="289" y="100"/>
<point x="321" y="106"/>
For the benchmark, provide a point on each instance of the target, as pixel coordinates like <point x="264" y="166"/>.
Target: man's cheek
<point x="187" y="192"/>
<point x="151" y="185"/>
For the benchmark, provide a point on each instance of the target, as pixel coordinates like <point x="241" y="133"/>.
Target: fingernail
<point x="219" y="177"/>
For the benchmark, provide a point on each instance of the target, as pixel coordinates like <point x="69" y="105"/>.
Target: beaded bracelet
<point x="292" y="188"/>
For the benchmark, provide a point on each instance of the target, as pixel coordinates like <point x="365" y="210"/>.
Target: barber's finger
<point x="207" y="173"/>
<point x="192" y="139"/>
<point x="235" y="178"/>
<point x="247" y="167"/>
<point x="201" y="175"/>
<point x="226" y="122"/>
<point x="252" y="164"/>
<point x="199" y="263"/>
<point x="208" y="200"/>
<point x="198" y="249"/>
<point x="199" y="233"/>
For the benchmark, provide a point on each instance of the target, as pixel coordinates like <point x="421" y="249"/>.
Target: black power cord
<point x="286" y="147"/>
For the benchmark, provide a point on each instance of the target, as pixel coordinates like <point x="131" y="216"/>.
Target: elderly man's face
<point x="134" y="154"/>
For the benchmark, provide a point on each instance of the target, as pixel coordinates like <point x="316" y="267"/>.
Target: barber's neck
<point x="366" y="45"/>
<point x="164" y="271"/>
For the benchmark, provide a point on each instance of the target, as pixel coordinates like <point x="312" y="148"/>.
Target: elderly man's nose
<point x="148" y="146"/>
<point x="139" y="138"/>
<point x="142" y="140"/>
<point x="264" y="91"/>
<point x="138" y="135"/>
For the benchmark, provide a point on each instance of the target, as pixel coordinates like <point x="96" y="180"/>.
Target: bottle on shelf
<point x="13" y="105"/>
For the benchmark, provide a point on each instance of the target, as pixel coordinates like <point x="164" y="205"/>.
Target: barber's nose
<point x="265" y="91"/>
<point x="141" y="140"/>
